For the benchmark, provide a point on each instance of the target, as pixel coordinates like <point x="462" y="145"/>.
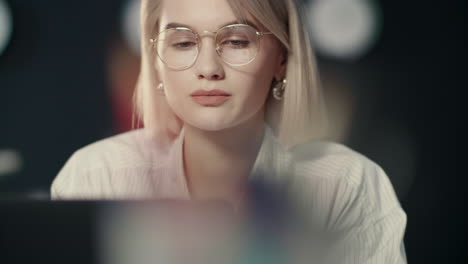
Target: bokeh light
<point x="10" y="162"/>
<point x="6" y="25"/>
<point x="344" y="29"/>
<point x="130" y="22"/>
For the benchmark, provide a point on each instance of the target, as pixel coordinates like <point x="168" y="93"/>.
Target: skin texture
<point x="221" y="142"/>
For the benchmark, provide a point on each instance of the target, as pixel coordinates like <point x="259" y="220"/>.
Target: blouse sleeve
<point x="355" y="203"/>
<point x="105" y="170"/>
<point x="74" y="181"/>
<point x="374" y="229"/>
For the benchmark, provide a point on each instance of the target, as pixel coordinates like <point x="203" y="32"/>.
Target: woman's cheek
<point x="177" y="99"/>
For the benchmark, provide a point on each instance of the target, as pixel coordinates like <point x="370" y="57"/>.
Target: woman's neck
<point x="217" y="163"/>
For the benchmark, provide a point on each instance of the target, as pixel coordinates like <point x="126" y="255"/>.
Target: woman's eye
<point x="186" y="44"/>
<point x="236" y="43"/>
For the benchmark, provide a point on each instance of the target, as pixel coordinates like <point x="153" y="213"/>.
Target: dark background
<point x="54" y="98"/>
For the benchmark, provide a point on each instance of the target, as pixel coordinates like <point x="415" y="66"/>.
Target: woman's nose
<point x="208" y="65"/>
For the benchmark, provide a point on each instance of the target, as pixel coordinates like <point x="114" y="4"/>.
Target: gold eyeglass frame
<point x="259" y="35"/>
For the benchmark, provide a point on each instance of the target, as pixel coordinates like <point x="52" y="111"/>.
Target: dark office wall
<point x="54" y="95"/>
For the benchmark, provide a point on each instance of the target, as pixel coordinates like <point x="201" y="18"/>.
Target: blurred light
<point x="6" y="25"/>
<point x="10" y="162"/>
<point x="344" y="29"/>
<point x="38" y="194"/>
<point x="177" y="231"/>
<point x="131" y="25"/>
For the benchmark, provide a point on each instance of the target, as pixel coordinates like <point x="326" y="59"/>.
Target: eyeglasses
<point x="236" y="44"/>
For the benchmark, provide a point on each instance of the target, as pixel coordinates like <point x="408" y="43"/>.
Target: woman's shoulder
<point x="345" y="191"/>
<point x="131" y="147"/>
<point x="349" y="186"/>
<point x="108" y="167"/>
<point x="329" y="161"/>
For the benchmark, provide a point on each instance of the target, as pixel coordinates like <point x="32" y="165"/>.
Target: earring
<point x="161" y="87"/>
<point x="278" y="90"/>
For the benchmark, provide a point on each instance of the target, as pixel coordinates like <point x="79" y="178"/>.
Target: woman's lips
<point x="210" y="98"/>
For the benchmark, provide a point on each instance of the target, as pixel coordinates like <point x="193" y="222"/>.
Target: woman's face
<point x="248" y="85"/>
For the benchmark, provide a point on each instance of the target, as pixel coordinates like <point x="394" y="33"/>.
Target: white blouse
<point x="344" y="190"/>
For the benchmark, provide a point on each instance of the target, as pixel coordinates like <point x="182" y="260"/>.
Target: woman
<point x="228" y="94"/>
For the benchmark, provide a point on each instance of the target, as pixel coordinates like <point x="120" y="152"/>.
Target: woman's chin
<point x="210" y="124"/>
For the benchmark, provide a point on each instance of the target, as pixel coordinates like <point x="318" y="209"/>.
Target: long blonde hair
<point x="300" y="116"/>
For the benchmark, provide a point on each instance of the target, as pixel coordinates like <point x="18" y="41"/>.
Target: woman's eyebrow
<point x="176" y="24"/>
<point x="247" y="22"/>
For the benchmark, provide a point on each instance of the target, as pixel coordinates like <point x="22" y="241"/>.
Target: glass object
<point x="236" y="45"/>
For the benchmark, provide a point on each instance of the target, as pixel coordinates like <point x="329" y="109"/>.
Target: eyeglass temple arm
<point x="264" y="33"/>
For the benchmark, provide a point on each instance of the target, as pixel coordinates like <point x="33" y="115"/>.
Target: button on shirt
<point x="344" y="190"/>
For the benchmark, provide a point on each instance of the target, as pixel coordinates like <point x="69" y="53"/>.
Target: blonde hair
<point x="300" y="116"/>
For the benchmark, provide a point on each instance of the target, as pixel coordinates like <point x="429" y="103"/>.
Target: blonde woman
<point x="228" y="93"/>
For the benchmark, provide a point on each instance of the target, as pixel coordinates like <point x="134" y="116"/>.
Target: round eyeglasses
<point x="236" y="44"/>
